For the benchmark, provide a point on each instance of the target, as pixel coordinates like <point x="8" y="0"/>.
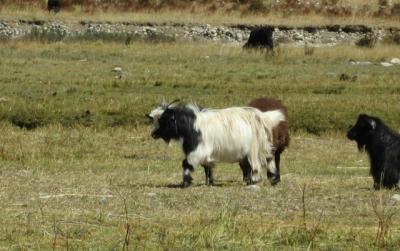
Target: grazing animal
<point x="383" y="147"/>
<point x="213" y="135"/>
<point x="280" y="136"/>
<point x="53" y="5"/>
<point x="261" y="37"/>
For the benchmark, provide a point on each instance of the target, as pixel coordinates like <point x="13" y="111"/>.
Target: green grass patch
<point x="72" y="83"/>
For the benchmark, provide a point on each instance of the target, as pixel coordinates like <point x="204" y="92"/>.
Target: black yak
<point x="261" y="38"/>
<point x="53" y="5"/>
<point x="383" y="148"/>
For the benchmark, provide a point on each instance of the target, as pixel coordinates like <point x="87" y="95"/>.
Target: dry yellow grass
<point x="66" y="187"/>
<point x="198" y="16"/>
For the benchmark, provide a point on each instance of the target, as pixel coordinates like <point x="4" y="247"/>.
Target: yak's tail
<point x="270" y="119"/>
<point x="261" y="151"/>
<point x="274" y="117"/>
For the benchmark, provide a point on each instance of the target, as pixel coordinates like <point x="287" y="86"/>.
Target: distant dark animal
<point x="280" y="135"/>
<point x="383" y="147"/>
<point x="261" y="38"/>
<point x="53" y="5"/>
<point x="213" y="135"/>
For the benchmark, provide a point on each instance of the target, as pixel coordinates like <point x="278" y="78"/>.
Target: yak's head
<point x="160" y="117"/>
<point x="167" y="126"/>
<point x="363" y="130"/>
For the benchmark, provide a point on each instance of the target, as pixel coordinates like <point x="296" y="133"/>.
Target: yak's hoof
<point x="247" y="179"/>
<point x="186" y="184"/>
<point x="250" y="182"/>
<point x="274" y="180"/>
<point x="377" y="186"/>
<point x="210" y="183"/>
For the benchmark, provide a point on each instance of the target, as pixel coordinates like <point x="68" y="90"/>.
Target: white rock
<point x="4" y="99"/>
<point x="386" y="64"/>
<point x="396" y="197"/>
<point x="103" y="200"/>
<point x="253" y="187"/>
<point x="395" y="61"/>
<point x="360" y="63"/>
<point x="117" y="69"/>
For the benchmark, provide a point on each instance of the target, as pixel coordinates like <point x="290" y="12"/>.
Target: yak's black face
<point x="362" y="131"/>
<point x="167" y="128"/>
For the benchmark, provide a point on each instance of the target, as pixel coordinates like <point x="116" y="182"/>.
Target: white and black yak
<point x="218" y="135"/>
<point x="383" y="148"/>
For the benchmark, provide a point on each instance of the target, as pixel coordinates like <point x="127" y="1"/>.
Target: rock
<point x="4" y="99"/>
<point x="239" y="36"/>
<point x="395" y="61"/>
<point x="386" y="64"/>
<point x="362" y="63"/>
<point x="117" y="69"/>
<point x="298" y="36"/>
<point x="253" y="187"/>
<point x="396" y="197"/>
<point x="103" y="200"/>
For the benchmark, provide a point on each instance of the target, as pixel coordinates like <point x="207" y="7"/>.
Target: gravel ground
<point x="233" y="34"/>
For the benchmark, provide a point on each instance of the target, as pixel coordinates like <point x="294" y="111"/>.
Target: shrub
<point x="369" y="40"/>
<point x="258" y="6"/>
<point x="393" y="38"/>
<point x="51" y="34"/>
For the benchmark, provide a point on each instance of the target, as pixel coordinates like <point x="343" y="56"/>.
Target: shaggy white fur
<point x="231" y="134"/>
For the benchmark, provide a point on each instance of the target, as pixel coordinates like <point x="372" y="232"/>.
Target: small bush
<point x="46" y="34"/>
<point x="392" y="38"/>
<point x="330" y="90"/>
<point x="396" y="38"/>
<point x="395" y="11"/>
<point x="159" y="38"/>
<point x="258" y="6"/>
<point x="28" y="119"/>
<point x="105" y="37"/>
<point x="308" y="50"/>
<point x="369" y="41"/>
<point x="113" y="119"/>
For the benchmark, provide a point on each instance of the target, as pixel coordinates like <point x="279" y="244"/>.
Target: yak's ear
<point x="371" y="123"/>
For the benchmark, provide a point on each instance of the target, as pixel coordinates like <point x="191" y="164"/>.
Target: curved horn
<point x="164" y="103"/>
<point x="176" y="100"/>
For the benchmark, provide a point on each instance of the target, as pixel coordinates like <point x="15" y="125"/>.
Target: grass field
<point x="88" y="175"/>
